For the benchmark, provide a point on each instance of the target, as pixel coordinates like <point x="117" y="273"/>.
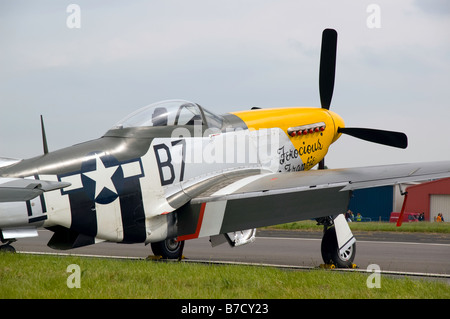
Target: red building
<point x="430" y="198"/>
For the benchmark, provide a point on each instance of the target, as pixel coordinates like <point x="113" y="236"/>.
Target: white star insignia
<point x="102" y="176"/>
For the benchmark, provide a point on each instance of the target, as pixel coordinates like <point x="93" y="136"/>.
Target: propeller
<point x="389" y="138"/>
<point x="327" y="67"/>
<point x="327" y="73"/>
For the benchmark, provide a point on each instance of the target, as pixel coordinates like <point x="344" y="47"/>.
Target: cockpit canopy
<point x="170" y="113"/>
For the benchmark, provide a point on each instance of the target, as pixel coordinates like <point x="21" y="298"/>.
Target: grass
<point x="423" y="227"/>
<point x="36" y="276"/>
<point x="45" y="277"/>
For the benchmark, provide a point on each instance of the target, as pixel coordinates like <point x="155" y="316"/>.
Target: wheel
<point x="7" y="249"/>
<point x="330" y="251"/>
<point x="168" y="249"/>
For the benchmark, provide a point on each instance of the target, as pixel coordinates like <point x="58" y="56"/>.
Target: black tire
<point x="168" y="249"/>
<point x="7" y="249"/>
<point x="330" y="251"/>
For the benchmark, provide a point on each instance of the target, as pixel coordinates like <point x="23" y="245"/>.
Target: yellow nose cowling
<point x="311" y="147"/>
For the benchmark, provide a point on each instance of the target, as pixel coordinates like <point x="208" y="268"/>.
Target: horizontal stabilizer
<point x="4" y="161"/>
<point x="20" y="189"/>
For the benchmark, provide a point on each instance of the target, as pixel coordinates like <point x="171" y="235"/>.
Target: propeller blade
<point x="327" y="67"/>
<point x="394" y="139"/>
<point x="322" y="164"/>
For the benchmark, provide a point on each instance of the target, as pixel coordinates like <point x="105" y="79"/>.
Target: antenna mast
<point x="44" y="138"/>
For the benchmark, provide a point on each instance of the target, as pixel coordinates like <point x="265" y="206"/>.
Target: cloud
<point x="435" y="7"/>
<point x="225" y="55"/>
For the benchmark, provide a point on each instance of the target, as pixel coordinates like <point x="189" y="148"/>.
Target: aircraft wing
<point x="268" y="199"/>
<point x="348" y="178"/>
<point x="20" y="189"/>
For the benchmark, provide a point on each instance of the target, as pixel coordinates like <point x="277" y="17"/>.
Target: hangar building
<point x="430" y="198"/>
<point x="376" y="204"/>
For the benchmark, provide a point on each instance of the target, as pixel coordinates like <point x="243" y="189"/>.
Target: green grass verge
<point x="423" y="227"/>
<point x="37" y="276"/>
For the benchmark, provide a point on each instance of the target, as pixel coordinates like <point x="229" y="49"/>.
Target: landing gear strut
<point x="168" y="249"/>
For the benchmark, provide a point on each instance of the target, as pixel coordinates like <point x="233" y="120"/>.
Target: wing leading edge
<point x="346" y="179"/>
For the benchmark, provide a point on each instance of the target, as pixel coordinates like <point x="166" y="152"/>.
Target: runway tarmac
<point x="404" y="252"/>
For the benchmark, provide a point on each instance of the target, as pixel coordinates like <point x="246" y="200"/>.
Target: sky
<point x="86" y="69"/>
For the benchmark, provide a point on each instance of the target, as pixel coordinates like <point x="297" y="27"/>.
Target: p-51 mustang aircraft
<point x="174" y="171"/>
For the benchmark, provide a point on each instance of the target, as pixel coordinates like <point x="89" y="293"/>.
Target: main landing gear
<point x="168" y="249"/>
<point x="7" y="248"/>
<point x="343" y="255"/>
